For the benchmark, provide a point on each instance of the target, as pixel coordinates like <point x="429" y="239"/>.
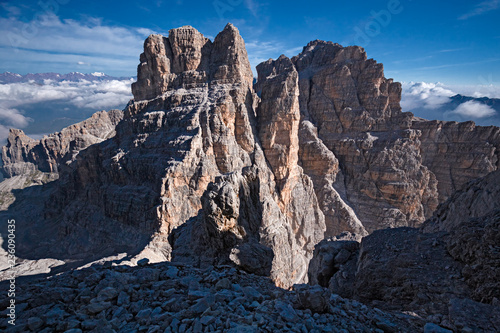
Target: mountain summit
<point x="205" y="168"/>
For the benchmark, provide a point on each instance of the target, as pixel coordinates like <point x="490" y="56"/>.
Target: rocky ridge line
<point x="207" y="169"/>
<point x="446" y="271"/>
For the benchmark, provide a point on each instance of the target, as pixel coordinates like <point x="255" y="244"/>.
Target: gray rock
<point x="252" y="294"/>
<point x="135" y="307"/>
<point x="196" y="294"/>
<point x="286" y="312"/>
<point x="35" y="323"/>
<point x="144" y="316"/>
<point x="55" y="315"/>
<point x="89" y="324"/>
<point x="143" y="262"/>
<point x="202" y="305"/>
<point x="172" y="272"/>
<point x="315" y="298"/>
<point x="433" y="328"/>
<point x="97" y="307"/>
<point x="107" y="294"/>
<point x="342" y="256"/>
<point x="223" y="284"/>
<point x="207" y="320"/>
<point x="123" y="299"/>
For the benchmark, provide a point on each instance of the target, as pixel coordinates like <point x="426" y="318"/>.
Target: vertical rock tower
<point x="207" y="168"/>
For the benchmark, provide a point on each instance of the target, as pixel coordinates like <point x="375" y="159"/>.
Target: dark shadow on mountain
<point x="85" y="215"/>
<point x="206" y="239"/>
<point x="37" y="237"/>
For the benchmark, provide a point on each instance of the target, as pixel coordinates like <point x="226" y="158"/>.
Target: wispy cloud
<point x="481" y="8"/>
<point x="11" y="10"/>
<point x="452" y="50"/>
<point x="472" y="109"/>
<point x="252" y="6"/>
<point x="431" y="55"/>
<point x="259" y="51"/>
<point x="458" y="64"/>
<point x="53" y="40"/>
<point x="413" y="60"/>
<point x="16" y="98"/>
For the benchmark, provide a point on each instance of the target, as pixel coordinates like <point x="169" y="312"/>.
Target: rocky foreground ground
<point x="167" y="297"/>
<point x="227" y="179"/>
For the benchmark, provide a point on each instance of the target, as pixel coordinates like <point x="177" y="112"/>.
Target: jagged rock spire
<point x="187" y="59"/>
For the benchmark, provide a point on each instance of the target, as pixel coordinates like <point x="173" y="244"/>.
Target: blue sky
<point x="436" y="48"/>
<point x="454" y="42"/>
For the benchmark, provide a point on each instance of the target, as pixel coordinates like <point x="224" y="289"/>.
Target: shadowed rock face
<point x="23" y="155"/>
<point x="446" y="271"/>
<point x="205" y="168"/>
<point x="458" y="152"/>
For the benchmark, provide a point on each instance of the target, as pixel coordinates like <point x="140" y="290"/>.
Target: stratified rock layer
<point x="458" y="152"/>
<point x="372" y="165"/>
<point x="206" y="168"/>
<point x="446" y="271"/>
<point x="23" y="155"/>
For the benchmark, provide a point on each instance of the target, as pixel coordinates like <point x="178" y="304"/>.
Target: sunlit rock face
<point x="204" y="167"/>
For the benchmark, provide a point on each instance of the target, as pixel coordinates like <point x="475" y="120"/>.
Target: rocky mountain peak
<point x="354" y="89"/>
<point x="204" y="168"/>
<point x="187" y="59"/>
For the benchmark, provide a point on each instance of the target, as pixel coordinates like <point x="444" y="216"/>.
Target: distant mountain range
<point x="483" y="111"/>
<point x="459" y="99"/>
<point x="8" y="77"/>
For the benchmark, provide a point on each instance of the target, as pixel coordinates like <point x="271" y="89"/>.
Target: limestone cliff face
<point x="23" y="155"/>
<point x="186" y="59"/>
<point x="206" y="168"/>
<point x="458" y="152"/>
<point x="289" y="136"/>
<point x="357" y="113"/>
<point x="193" y="169"/>
<point x="449" y="266"/>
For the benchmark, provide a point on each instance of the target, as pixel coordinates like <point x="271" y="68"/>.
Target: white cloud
<point x="472" y="109"/>
<point x="145" y="31"/>
<point x="16" y="94"/>
<point x="51" y="40"/>
<point x="97" y="95"/>
<point x="427" y="95"/>
<point x="433" y="101"/>
<point x="259" y="51"/>
<point x="431" y="96"/>
<point x="481" y="8"/>
<point x="13" y="117"/>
